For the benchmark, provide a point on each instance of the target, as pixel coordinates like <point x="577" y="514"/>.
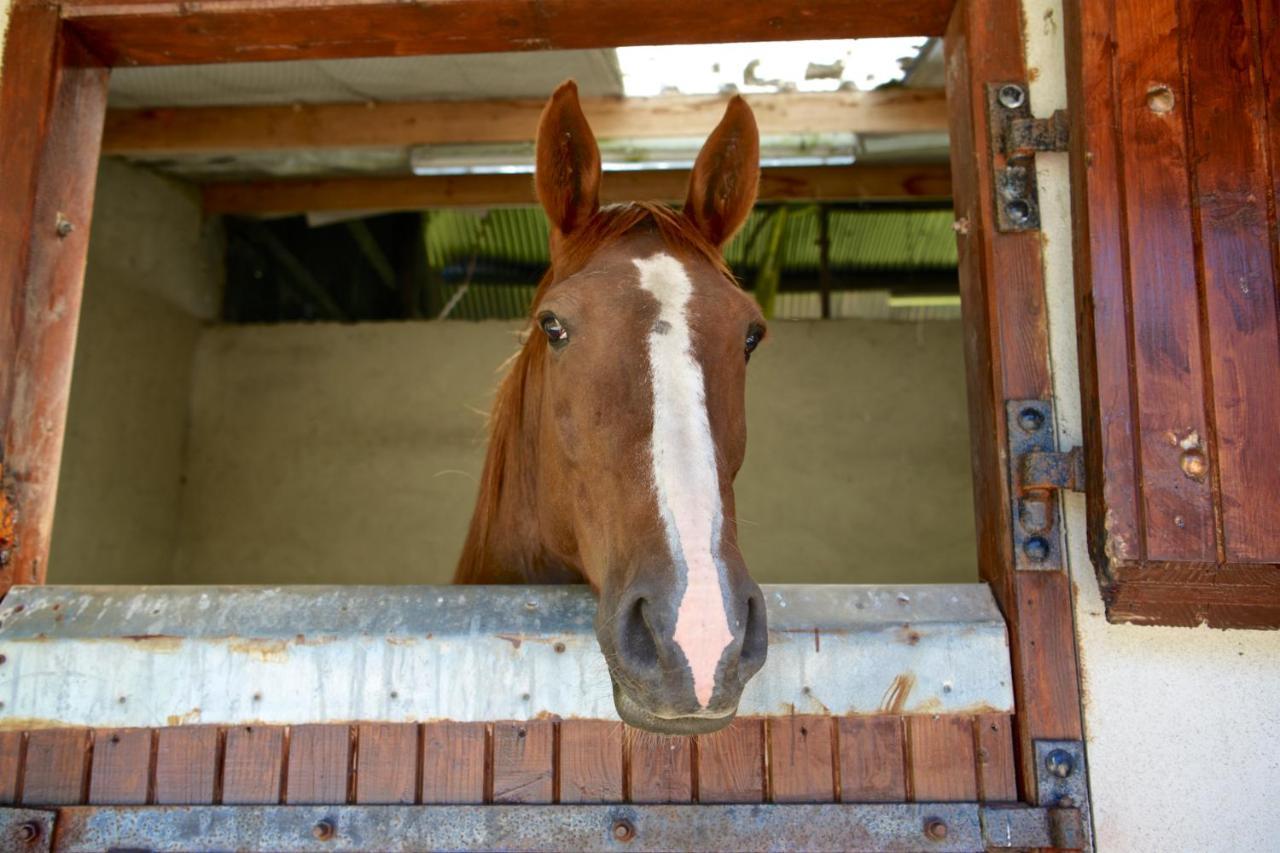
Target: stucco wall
<point x="329" y="453"/>
<point x="1178" y="721"/>
<point x="153" y="277"/>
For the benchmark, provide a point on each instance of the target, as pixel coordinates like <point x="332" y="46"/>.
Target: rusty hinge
<point x="1037" y="472"/>
<point x="1015" y="138"/>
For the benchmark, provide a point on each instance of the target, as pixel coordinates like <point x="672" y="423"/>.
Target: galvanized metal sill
<point x="156" y="656"/>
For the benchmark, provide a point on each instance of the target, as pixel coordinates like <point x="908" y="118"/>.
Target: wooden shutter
<point x="1175" y="108"/>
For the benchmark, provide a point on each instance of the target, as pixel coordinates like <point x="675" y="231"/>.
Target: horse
<point x="618" y="430"/>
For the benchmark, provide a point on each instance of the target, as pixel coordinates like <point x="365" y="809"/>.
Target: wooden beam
<point x="224" y="130"/>
<point x="419" y="193"/>
<point x="162" y="32"/>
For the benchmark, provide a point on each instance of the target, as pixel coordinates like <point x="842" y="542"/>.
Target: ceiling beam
<point x="165" y="32"/>
<point x="418" y="193"/>
<point x="227" y="130"/>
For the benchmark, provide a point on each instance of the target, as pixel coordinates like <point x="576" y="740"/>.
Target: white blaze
<point x="684" y="473"/>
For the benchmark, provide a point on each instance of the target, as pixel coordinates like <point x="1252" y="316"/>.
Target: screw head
<point x="1060" y="763"/>
<point x="1036" y="548"/>
<point x="1194" y="463"/>
<point x="324" y="830"/>
<point x="1030" y="419"/>
<point x="1018" y="211"/>
<point x="623" y="830"/>
<point x="935" y="828"/>
<point x="30" y="831"/>
<point x="1011" y="96"/>
<point x="64" y="226"/>
<point x="1160" y="99"/>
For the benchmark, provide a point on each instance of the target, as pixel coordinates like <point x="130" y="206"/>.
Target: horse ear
<point x="568" y="161"/>
<point x="726" y="175"/>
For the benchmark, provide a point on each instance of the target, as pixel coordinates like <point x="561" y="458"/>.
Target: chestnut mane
<point x="506" y="418"/>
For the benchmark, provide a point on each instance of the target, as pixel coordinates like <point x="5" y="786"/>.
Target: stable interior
<point x="275" y="399"/>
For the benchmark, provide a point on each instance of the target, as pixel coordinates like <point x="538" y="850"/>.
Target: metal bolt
<point x="531" y="605"/>
<point x="30" y="831"/>
<point x="1018" y="211"/>
<point x="1036" y="548"/>
<point x="1012" y="96"/>
<point x="623" y="830"/>
<point x="935" y="828"/>
<point x="324" y="830"/>
<point x="559" y="647"/>
<point x="1030" y="419"/>
<point x="1060" y="763"/>
<point x="64" y="226"/>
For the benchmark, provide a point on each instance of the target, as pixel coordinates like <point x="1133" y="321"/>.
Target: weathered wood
<point x="590" y="761"/>
<point x="152" y="32"/>
<point x="942" y="760"/>
<point x="872" y="760"/>
<point x="121" y="772"/>
<point x="801" y="760"/>
<point x="453" y="762"/>
<point x="993" y="735"/>
<point x="54" y="772"/>
<point x="731" y="763"/>
<point x="52" y="103"/>
<point x="417" y="193"/>
<point x="661" y="768"/>
<point x="523" y="767"/>
<point x="387" y="763"/>
<point x="319" y="765"/>
<point x="177" y="131"/>
<point x="10" y="766"/>
<point x="252" y="765"/>
<point x="187" y="759"/>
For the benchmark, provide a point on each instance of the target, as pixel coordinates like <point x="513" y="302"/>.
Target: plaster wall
<point x="1177" y="720"/>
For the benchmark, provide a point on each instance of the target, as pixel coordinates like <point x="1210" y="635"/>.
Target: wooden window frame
<point x="52" y="100"/>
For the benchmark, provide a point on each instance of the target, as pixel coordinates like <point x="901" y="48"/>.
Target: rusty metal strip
<point x="156" y="656"/>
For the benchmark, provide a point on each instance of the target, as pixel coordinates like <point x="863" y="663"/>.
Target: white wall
<point x="1178" y="721"/>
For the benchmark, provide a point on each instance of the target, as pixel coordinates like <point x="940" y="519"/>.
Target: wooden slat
<point x="996" y="777"/>
<point x="252" y="765"/>
<point x="660" y="767"/>
<point x="801" y="760"/>
<point x="319" y="765"/>
<point x="590" y="761"/>
<point x="872" y="760"/>
<point x="51" y="126"/>
<point x="522" y="762"/>
<point x="54" y="771"/>
<point x="1230" y="180"/>
<point x="416" y="193"/>
<point x="453" y="762"/>
<point x="731" y="763"/>
<point x="121" y="772"/>
<point x="150" y="32"/>
<point x="186" y="765"/>
<point x="942" y="759"/>
<point x="10" y="766"/>
<point x="387" y="763"/>
<point x="225" y="130"/>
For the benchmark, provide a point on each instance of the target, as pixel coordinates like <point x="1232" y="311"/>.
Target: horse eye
<point x="554" y="330"/>
<point x="754" y="336"/>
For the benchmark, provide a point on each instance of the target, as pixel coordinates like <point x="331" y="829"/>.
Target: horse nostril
<point x="755" y="637"/>
<point x="638" y="647"/>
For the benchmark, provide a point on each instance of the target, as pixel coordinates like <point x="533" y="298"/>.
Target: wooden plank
<point x="54" y="771"/>
<point x="253" y="765"/>
<point x="941" y="759"/>
<point x="590" y="761"/>
<point x="802" y="760"/>
<point x="872" y="760"/>
<point x="10" y="766"/>
<point x="387" y="763"/>
<point x="226" y="130"/>
<point x="660" y="768"/>
<point x="1229" y="172"/>
<point x="523" y="766"/>
<point x="829" y="183"/>
<point x="121" y="772"/>
<point x="731" y="763"/>
<point x="186" y="765"/>
<point x="993" y="735"/>
<point x="152" y="32"/>
<point x="51" y="126"/>
<point x="453" y="762"/>
<point x="319" y="765"/>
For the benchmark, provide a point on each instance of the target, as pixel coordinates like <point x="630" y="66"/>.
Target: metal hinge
<point x="1015" y="138"/>
<point x="1038" y="470"/>
<point x="1062" y="787"/>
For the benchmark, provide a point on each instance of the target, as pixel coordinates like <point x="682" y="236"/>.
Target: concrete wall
<point x="1178" y="721"/>
<point x="341" y="454"/>
<point x="154" y="276"/>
